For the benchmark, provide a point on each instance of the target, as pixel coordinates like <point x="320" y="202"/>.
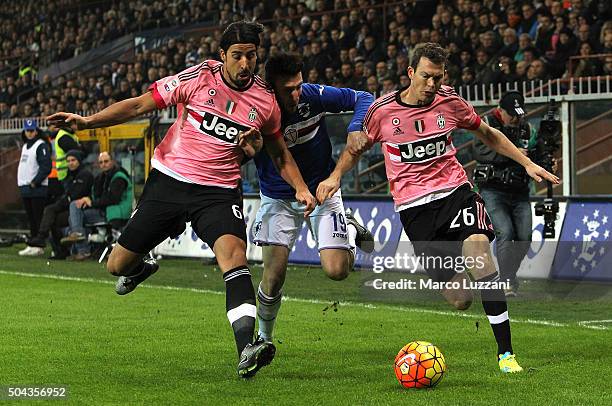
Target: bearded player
<point x="223" y="111"/>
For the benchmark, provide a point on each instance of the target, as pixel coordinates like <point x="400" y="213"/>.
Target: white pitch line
<point x="584" y="324"/>
<point x="595" y="324"/>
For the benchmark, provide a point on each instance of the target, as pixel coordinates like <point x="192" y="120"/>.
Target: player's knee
<point x="113" y="267"/>
<point x="337" y="272"/>
<point x="477" y="238"/>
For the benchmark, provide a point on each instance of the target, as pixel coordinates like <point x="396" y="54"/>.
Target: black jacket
<point x="485" y="155"/>
<point x="77" y="184"/>
<point x="107" y="193"/>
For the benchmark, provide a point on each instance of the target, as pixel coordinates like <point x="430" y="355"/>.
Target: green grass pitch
<point x="169" y="342"/>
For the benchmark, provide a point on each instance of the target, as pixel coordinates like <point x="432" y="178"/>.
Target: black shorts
<point x="167" y="204"/>
<point x="439" y="228"/>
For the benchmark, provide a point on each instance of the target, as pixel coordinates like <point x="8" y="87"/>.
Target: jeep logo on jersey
<point x="423" y="150"/>
<point x="220" y="127"/>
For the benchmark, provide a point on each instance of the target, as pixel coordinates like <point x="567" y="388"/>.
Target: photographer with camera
<point x="504" y="186"/>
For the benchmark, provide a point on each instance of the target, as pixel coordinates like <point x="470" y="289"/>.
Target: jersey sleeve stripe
<point x="377" y="104"/>
<point x="276" y="135"/>
<point x="159" y="101"/>
<point x="476" y="124"/>
<point x="265" y="85"/>
<point x="368" y="116"/>
<point x="195" y="72"/>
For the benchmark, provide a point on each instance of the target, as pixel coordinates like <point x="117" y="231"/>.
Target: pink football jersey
<point x="201" y="146"/>
<point x="417" y="143"/>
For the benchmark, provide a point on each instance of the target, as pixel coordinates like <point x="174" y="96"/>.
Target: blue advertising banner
<point x="378" y="216"/>
<point x="584" y="248"/>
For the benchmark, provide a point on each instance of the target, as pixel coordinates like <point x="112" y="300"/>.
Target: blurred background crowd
<point x="363" y="44"/>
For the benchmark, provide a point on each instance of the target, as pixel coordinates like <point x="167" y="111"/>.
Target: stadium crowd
<point x="346" y="43"/>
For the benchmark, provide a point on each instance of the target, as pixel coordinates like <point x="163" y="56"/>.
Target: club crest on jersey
<point x="291" y="135"/>
<point x="304" y="109"/>
<point x="395" y="121"/>
<point x="419" y="125"/>
<point x="212" y="92"/>
<point x="253" y="114"/>
<point x="220" y="127"/>
<point x="441" y="122"/>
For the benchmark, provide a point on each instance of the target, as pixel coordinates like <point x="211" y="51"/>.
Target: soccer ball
<point x="419" y="364"/>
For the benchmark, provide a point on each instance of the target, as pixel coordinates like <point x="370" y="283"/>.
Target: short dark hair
<point x="430" y="50"/>
<point x="241" y="32"/>
<point x="283" y="64"/>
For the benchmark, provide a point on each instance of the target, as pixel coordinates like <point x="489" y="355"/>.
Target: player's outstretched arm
<point x="498" y="142"/>
<point x="357" y="143"/>
<point x="289" y="171"/>
<point x="117" y="113"/>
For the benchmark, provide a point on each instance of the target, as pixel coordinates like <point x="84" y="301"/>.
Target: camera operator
<point x="504" y="186"/>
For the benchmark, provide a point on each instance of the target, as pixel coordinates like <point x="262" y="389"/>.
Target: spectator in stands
<point x="510" y="42"/>
<point x="77" y="184"/>
<point x="530" y="54"/>
<point x="34" y="167"/>
<point x="313" y="76"/>
<point x="381" y="71"/>
<point x="318" y="59"/>
<point x="529" y="23"/>
<point x="607" y="40"/>
<point x="537" y="70"/>
<point x="468" y="25"/>
<point x="110" y="201"/>
<point x="5" y="112"/>
<point x="506" y="69"/>
<point x="373" y="87"/>
<point x="565" y="47"/>
<point x="524" y="42"/>
<point x="55" y="188"/>
<point x="607" y="68"/>
<point x="14" y="111"/>
<point x="65" y="140"/>
<point x="584" y="34"/>
<point x="389" y="85"/>
<point x="370" y="50"/>
<point x="587" y="66"/>
<point x="346" y="78"/>
<point x="484" y="73"/>
<point x="544" y="33"/>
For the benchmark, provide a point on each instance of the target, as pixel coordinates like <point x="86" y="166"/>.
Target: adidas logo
<point x="398" y="131"/>
<point x="210" y="102"/>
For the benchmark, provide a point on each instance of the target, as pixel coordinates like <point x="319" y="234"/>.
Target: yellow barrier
<point x="132" y="130"/>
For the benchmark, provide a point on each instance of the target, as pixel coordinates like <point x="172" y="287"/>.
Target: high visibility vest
<point x="123" y="209"/>
<point x="60" y="155"/>
<point x="53" y="174"/>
